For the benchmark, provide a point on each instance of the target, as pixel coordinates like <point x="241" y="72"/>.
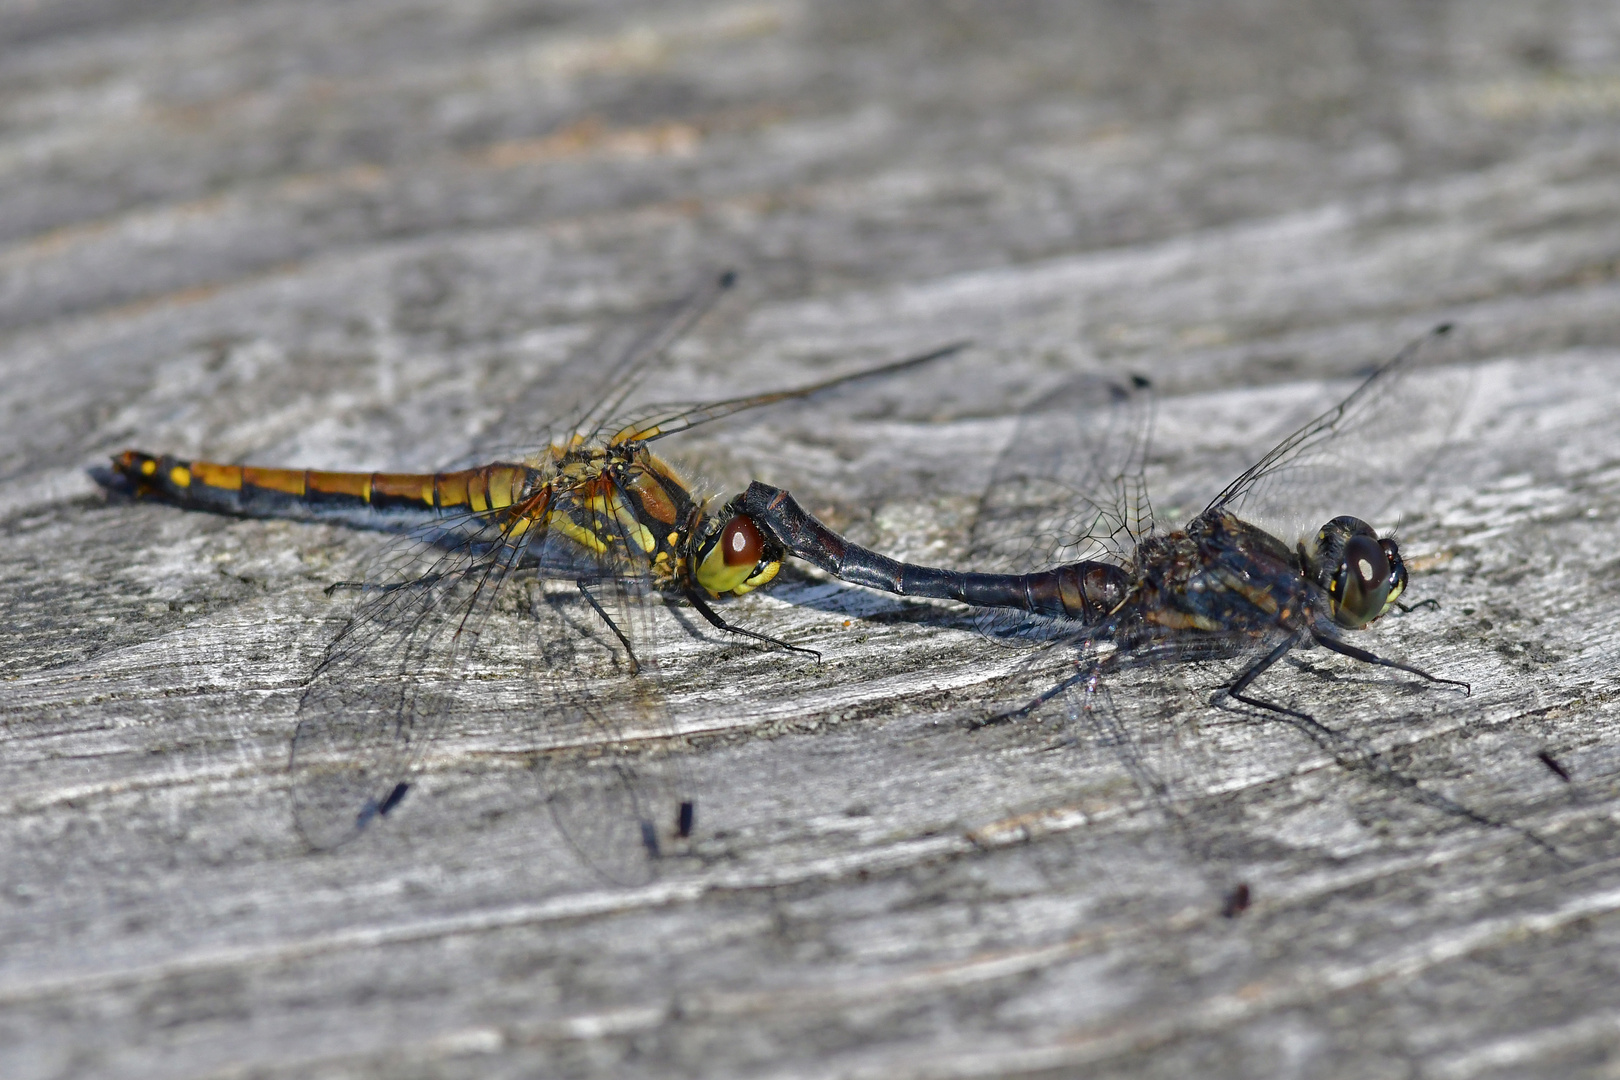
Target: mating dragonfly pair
<point x="578" y="544"/>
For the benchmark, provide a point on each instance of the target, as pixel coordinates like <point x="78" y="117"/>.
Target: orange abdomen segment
<point x="260" y="492"/>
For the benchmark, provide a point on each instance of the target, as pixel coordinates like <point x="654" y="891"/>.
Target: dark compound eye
<point x="1361" y="573"/>
<point x="1362" y="580"/>
<point x="740" y="542"/>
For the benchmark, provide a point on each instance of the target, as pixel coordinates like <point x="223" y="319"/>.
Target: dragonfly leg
<point x="716" y="620"/>
<point x="1345" y="649"/>
<point x="1028" y="707"/>
<point x="635" y="665"/>
<point x="1254" y="671"/>
<point x="1354" y="753"/>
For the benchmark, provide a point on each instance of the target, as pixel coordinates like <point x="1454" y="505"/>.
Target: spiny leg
<point x="1024" y="710"/>
<point x="1345" y="649"/>
<point x="1353" y="753"/>
<point x="1319" y="732"/>
<point x="1254" y="671"/>
<point x="635" y="665"/>
<point x="717" y="621"/>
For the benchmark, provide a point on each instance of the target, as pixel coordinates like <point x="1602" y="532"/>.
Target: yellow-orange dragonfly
<point x="586" y="535"/>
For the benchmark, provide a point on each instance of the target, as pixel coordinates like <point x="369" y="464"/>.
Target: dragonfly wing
<point x="1134" y="737"/>
<point x="1113" y="735"/>
<point x="622" y="359"/>
<point x="377" y="697"/>
<point x="1379" y="444"/>
<point x="661" y="421"/>
<point x="1070" y="483"/>
<point x="612" y="784"/>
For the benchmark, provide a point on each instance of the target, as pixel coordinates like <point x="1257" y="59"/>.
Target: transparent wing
<point x="660" y="421"/>
<point x="1070" y="483"/>
<point x="1373" y="449"/>
<point x="587" y="637"/>
<point x="375" y="701"/>
<point x="1117" y="731"/>
<point x="585" y="409"/>
<point x="610" y="774"/>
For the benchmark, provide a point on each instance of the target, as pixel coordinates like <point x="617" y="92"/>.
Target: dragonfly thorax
<point x="1219" y="576"/>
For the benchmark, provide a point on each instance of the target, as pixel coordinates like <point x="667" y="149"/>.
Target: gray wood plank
<point x="375" y="235"/>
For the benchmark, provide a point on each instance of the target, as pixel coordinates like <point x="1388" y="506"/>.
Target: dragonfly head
<point x="734" y="555"/>
<point x="1363" y="574"/>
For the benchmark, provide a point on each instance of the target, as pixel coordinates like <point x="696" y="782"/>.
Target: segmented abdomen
<point x="309" y="493"/>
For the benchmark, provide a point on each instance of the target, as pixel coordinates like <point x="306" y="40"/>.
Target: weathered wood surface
<point x="354" y="235"/>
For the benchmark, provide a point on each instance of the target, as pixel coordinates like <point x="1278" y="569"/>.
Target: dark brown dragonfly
<point x="555" y="563"/>
<point x="1067" y="513"/>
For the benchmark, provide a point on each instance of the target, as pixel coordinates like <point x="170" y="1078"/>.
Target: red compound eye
<point x="740" y="542"/>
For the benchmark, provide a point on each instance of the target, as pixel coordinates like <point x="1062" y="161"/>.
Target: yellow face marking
<point x="148" y="467"/>
<point x="764" y="577"/>
<point x="180" y="476"/>
<point x="718" y="578"/>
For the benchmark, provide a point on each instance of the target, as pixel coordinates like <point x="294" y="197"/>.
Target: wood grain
<point x="381" y="235"/>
